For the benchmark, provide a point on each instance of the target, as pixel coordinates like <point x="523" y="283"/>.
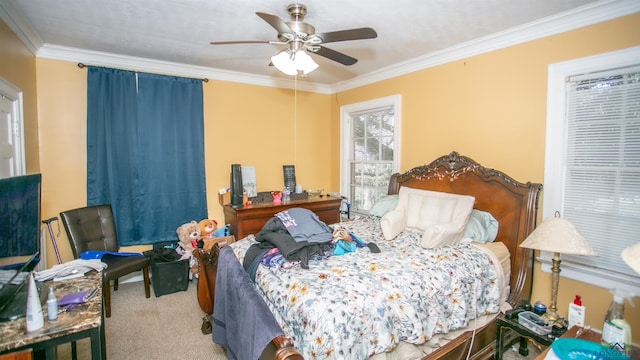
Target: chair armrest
<point x="392" y="224"/>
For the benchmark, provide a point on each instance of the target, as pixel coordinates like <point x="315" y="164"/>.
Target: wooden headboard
<point x="512" y="203"/>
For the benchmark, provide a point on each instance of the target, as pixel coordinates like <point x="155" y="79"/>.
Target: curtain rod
<point x="81" y="65"/>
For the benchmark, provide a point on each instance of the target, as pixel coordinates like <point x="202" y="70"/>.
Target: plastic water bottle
<point x="52" y="305"/>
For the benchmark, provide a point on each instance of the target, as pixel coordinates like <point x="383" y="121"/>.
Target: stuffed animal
<point x="189" y="235"/>
<point x="207" y="228"/>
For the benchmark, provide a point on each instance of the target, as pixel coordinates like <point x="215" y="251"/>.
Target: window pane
<point x="373" y="125"/>
<point x="384" y="174"/>
<point x="356" y="173"/>
<point x="373" y="149"/>
<point x="358" y="127"/>
<point x="387" y="148"/>
<point x="359" y="153"/>
<point x="369" y="176"/>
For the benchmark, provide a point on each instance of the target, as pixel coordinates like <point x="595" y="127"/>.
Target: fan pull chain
<point x="295" y="119"/>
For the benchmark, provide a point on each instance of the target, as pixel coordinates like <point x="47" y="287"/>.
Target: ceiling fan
<point x="301" y="37"/>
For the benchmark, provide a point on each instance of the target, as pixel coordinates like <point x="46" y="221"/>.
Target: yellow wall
<point x="491" y="107"/>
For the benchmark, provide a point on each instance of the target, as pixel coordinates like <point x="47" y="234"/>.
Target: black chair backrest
<point x="90" y="228"/>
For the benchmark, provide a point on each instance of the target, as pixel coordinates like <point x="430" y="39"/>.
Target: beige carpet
<point x="165" y="327"/>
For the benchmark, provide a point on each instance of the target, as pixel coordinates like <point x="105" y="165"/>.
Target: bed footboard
<point x="208" y="268"/>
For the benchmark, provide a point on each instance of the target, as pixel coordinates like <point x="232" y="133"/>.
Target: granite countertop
<point x="13" y="334"/>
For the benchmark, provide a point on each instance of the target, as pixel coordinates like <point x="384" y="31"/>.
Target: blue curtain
<point x="145" y="152"/>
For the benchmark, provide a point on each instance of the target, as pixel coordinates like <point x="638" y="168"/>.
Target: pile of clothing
<point x="297" y="234"/>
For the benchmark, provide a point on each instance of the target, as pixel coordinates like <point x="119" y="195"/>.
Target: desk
<point x="505" y="323"/>
<point x="81" y="321"/>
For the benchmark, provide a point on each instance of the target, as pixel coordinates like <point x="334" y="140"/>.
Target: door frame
<point x="14" y="94"/>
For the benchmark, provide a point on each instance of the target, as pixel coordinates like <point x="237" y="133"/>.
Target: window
<point x="592" y="163"/>
<point x="369" y="150"/>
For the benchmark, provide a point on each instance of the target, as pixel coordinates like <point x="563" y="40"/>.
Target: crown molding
<point x="21" y="26"/>
<point x="97" y="58"/>
<point x="570" y="20"/>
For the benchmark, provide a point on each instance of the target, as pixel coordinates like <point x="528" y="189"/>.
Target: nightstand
<point x="503" y="324"/>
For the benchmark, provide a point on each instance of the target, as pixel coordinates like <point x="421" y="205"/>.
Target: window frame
<point x="346" y="137"/>
<point x="556" y="141"/>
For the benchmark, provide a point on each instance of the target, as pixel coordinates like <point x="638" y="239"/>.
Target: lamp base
<point x="553" y="318"/>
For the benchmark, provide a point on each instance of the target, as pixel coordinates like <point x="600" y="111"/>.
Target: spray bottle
<point x="616" y="330"/>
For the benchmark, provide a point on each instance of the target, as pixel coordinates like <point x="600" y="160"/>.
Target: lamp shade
<point x="283" y="62"/>
<point x="304" y="62"/>
<point x="631" y="256"/>
<point x="558" y="235"/>
<point x="290" y="64"/>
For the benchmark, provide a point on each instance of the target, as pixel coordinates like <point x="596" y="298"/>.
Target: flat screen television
<point x="19" y="240"/>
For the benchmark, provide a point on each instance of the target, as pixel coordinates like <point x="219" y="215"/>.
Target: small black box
<point x="170" y="277"/>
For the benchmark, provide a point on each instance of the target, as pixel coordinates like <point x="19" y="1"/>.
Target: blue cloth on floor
<point x="96" y="254"/>
<point x="242" y="321"/>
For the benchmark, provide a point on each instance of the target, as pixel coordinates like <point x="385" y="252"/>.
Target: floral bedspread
<point x="359" y="304"/>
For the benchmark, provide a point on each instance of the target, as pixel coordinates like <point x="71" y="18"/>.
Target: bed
<point x="465" y="325"/>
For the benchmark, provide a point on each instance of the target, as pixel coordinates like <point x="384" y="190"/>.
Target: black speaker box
<point x="236" y="186"/>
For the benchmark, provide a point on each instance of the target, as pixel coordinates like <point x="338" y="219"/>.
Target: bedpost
<point x="208" y="270"/>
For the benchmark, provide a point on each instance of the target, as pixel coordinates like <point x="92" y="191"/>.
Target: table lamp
<point x="631" y="256"/>
<point x="559" y="236"/>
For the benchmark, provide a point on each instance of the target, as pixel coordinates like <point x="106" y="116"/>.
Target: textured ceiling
<point x="179" y="31"/>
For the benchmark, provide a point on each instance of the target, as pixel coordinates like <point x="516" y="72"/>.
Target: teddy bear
<point x="188" y="235"/>
<point x="208" y="228"/>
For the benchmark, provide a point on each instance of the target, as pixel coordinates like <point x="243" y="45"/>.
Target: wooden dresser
<point x="250" y="219"/>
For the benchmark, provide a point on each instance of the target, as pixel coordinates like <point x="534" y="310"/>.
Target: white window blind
<point x="601" y="190"/>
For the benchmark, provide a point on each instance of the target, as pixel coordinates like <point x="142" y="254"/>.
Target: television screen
<point x="19" y="234"/>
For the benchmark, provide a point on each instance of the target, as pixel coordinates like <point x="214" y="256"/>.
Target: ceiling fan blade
<point x="335" y="56"/>
<point x="240" y="42"/>
<point x="276" y="23"/>
<point x="344" y="35"/>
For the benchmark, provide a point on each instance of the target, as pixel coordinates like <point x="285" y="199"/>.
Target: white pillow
<point x="440" y="216"/>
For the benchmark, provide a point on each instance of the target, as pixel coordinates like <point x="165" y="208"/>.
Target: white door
<point x="11" y="131"/>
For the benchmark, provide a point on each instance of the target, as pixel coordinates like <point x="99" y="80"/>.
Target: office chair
<point x="93" y="228"/>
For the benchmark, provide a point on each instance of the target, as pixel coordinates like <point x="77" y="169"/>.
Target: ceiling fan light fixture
<point x="304" y="62"/>
<point x="290" y="65"/>
<point x="283" y="62"/>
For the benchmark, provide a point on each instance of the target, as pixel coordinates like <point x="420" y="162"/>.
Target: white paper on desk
<point x="249" y="180"/>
